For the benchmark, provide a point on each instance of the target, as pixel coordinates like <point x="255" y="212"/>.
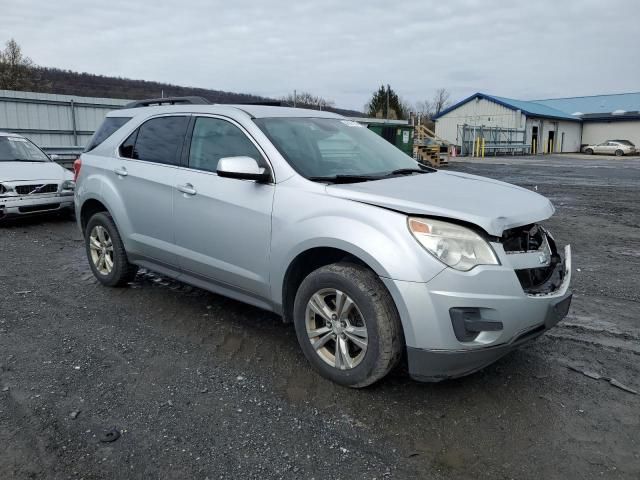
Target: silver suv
<point x="310" y="215"/>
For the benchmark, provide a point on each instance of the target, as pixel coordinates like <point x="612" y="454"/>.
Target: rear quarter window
<point x="109" y="126"/>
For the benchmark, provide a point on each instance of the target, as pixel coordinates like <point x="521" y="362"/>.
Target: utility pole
<point x="388" y="91"/>
<point x="295" y="95"/>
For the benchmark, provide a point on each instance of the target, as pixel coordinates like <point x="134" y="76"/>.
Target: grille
<point x="36" y="188"/>
<point x="530" y="238"/>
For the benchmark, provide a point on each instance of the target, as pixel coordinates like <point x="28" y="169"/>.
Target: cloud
<point x="342" y="50"/>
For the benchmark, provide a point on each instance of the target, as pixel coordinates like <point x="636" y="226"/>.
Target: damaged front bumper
<point x="460" y="322"/>
<point x="436" y="365"/>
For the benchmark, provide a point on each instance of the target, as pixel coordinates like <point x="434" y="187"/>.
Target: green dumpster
<point x="399" y="135"/>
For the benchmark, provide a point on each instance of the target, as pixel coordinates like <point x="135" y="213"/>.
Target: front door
<point x="601" y="147"/>
<point x="611" y="148"/>
<point x="222" y="225"/>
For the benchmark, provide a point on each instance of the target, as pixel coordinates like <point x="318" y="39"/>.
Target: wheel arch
<point x="312" y="258"/>
<point x="90" y="207"/>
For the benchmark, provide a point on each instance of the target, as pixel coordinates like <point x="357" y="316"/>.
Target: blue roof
<point x="603" y="104"/>
<point x="530" y="108"/>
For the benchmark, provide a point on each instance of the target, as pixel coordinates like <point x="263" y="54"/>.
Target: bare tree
<point x="440" y="100"/>
<point x="431" y="108"/>
<point x="307" y="100"/>
<point x="17" y="72"/>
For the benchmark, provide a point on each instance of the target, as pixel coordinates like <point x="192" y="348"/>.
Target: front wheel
<point x="347" y="324"/>
<point x="589" y="151"/>
<point x="105" y="251"/>
<point x="619" y="153"/>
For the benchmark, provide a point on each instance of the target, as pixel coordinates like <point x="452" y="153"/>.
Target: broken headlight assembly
<point x="454" y="245"/>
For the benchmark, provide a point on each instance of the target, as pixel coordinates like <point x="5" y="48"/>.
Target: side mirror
<point x="243" y="168"/>
<point x="54" y="157"/>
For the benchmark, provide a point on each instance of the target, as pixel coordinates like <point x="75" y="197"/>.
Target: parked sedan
<point x="612" y="147"/>
<point x="30" y="182"/>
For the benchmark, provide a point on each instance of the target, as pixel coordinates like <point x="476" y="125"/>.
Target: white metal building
<point x="551" y="125"/>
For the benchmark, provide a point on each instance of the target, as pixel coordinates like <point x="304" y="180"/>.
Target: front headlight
<point x="458" y="247"/>
<point x="68" y="185"/>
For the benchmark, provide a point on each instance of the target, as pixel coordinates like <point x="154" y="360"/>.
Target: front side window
<point x="19" y="149"/>
<point x="325" y="147"/>
<point x="157" y="140"/>
<point x="214" y="139"/>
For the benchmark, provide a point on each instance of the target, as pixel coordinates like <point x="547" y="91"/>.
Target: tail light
<point x="76" y="168"/>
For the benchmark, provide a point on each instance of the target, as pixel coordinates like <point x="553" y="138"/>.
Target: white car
<point x="612" y="147"/>
<point x="30" y="182"/>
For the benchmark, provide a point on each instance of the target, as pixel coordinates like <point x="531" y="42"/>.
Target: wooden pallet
<point x="428" y="155"/>
<point x="428" y="147"/>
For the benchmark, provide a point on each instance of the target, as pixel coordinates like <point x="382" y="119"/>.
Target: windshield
<point x="320" y="148"/>
<point x="18" y="149"/>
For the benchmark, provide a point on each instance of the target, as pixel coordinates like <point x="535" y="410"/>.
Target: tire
<point x="589" y="151"/>
<point x="619" y="153"/>
<point x="372" y="308"/>
<point x="121" y="271"/>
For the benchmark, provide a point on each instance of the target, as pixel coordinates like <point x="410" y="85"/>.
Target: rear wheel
<point x="589" y="151"/>
<point x="619" y="153"/>
<point x="105" y="251"/>
<point x="347" y="324"/>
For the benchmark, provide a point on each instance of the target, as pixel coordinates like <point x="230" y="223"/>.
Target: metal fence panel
<point x="54" y="122"/>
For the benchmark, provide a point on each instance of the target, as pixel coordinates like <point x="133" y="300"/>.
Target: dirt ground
<point x="200" y="386"/>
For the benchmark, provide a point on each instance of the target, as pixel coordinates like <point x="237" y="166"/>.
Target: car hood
<point x="17" y="171"/>
<point x="492" y="205"/>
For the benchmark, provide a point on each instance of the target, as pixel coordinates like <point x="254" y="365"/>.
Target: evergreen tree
<point x="386" y="99"/>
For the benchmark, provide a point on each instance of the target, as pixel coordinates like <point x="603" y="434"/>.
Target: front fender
<point x="377" y="236"/>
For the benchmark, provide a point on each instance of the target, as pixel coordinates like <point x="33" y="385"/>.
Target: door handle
<point x="187" y="188"/>
<point x="121" y="171"/>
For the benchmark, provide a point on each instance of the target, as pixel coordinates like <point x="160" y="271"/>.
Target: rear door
<point x="223" y="225"/>
<point x="145" y="175"/>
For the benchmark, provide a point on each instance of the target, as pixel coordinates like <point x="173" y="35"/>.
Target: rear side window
<point x="108" y="127"/>
<point x="158" y="140"/>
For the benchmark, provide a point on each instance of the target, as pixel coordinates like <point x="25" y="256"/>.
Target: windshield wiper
<point x="345" y="178"/>
<point x="407" y="171"/>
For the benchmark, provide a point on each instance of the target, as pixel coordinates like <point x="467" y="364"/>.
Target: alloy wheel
<point x="336" y="328"/>
<point x="101" y="247"/>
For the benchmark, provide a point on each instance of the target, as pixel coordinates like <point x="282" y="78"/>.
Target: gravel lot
<point x="200" y="386"/>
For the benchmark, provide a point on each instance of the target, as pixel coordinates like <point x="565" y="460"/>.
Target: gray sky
<point x="342" y="49"/>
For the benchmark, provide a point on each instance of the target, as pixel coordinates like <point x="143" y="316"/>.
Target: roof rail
<point x="265" y="103"/>
<point x="168" y="101"/>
